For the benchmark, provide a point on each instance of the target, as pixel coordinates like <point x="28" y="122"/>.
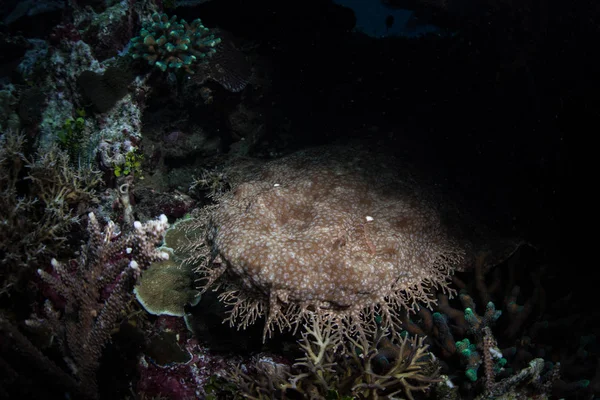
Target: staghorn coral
<point x="374" y="367"/>
<point x="42" y="197"/>
<point x="87" y="299"/>
<point x="94" y="294"/>
<point x="493" y="366"/>
<point x="335" y="231"/>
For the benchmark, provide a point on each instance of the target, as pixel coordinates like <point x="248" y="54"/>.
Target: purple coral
<point x="107" y="266"/>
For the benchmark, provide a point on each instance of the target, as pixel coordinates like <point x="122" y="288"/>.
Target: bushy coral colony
<point x="168" y="44"/>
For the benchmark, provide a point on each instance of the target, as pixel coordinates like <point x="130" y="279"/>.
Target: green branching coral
<point x="168" y="44"/>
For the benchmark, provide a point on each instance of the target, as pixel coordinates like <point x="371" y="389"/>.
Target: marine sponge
<point x="168" y="44"/>
<point x="336" y="231"/>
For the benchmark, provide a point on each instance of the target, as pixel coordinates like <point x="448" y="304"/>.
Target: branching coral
<point x="335" y="231"/>
<point x="374" y="367"/>
<point x="391" y="368"/>
<point x="168" y="44"/>
<point x="41" y="198"/>
<point x="88" y="296"/>
<point x="108" y="263"/>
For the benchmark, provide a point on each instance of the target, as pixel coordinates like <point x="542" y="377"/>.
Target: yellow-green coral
<point x="132" y="164"/>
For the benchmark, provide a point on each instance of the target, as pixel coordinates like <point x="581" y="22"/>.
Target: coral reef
<point x="71" y="77"/>
<point x="343" y="257"/>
